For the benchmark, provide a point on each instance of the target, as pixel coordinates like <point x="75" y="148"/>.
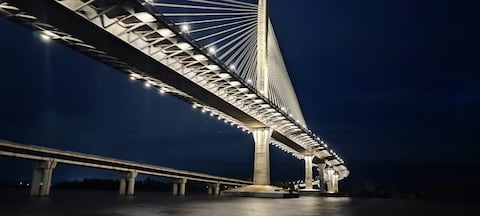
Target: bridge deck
<point x="10" y="149"/>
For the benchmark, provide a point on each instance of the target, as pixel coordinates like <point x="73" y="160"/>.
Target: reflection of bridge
<point x="221" y="56"/>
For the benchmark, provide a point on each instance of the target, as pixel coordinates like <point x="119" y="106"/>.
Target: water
<point x="102" y="203"/>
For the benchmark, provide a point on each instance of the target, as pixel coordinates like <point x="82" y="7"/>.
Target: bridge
<point x="47" y="159"/>
<point x="220" y="56"/>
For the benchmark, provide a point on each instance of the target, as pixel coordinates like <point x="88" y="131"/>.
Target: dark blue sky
<point x="393" y="86"/>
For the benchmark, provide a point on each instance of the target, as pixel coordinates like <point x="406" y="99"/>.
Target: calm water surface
<point x="104" y="203"/>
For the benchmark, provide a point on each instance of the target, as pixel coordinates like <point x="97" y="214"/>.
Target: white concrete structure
<point x="308" y="172"/>
<point x="261" y="172"/>
<point x="321" y="177"/>
<point x="233" y="70"/>
<point x="44" y="165"/>
<point x="42" y="177"/>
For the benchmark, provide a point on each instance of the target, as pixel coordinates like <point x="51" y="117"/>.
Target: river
<point x="103" y="203"/>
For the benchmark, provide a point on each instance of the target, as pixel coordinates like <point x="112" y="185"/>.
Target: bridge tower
<point x="262" y="52"/>
<point x="261" y="136"/>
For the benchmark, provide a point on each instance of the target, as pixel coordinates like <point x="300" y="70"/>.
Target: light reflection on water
<point x="102" y="203"/>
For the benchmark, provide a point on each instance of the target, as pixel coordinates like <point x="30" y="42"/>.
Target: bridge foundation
<point x="261" y="172"/>
<point x="42" y="178"/>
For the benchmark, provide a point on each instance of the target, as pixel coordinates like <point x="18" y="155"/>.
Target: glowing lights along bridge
<point x="222" y="56"/>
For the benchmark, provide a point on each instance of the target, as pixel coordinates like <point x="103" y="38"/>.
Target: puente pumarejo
<point x="221" y="56"/>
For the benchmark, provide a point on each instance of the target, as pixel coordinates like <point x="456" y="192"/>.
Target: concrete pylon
<point x="261" y="170"/>
<point x="175" y="188"/>
<point x="123" y="184"/>
<point x="321" y="180"/>
<point x="217" y="189"/>
<point x="308" y="172"/>
<point x="42" y="178"/>
<point x="210" y="189"/>
<point x="182" y="183"/>
<point x="330" y="180"/>
<point x="335" y="183"/>
<point x="262" y="53"/>
<point x="131" y="182"/>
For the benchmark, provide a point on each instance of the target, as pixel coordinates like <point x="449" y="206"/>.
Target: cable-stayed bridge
<point x="222" y="56"/>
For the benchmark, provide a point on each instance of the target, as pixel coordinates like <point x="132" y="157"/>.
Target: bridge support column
<point x="335" y="183"/>
<point x="175" y="188"/>
<point x="131" y="182"/>
<point x="42" y="178"/>
<point x="217" y="189"/>
<point x="331" y="181"/>
<point x="210" y="189"/>
<point x="261" y="171"/>
<point x="308" y="172"/>
<point x="321" y="180"/>
<point x="182" y="184"/>
<point x="123" y="184"/>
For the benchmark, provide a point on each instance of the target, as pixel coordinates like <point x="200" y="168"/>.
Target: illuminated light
<point x="249" y="81"/>
<point x="225" y="121"/>
<point x="283" y="109"/>
<point x="185" y="28"/>
<point x="219" y="118"/>
<point x="211" y="114"/>
<point x="132" y="78"/>
<point x="290" y="115"/>
<point x="211" y="50"/>
<point x="45" y="37"/>
<point x="147" y="84"/>
<point x="243" y="129"/>
<point x="232" y="67"/>
<point x="231" y="123"/>
<point x="194" y="106"/>
<point x="161" y="91"/>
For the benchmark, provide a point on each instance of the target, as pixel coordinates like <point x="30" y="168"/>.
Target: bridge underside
<point x="58" y="16"/>
<point x="84" y="36"/>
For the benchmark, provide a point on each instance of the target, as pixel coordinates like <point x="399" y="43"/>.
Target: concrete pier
<point x="175" y="188"/>
<point x="127" y="183"/>
<point x="182" y="183"/>
<point x="261" y="170"/>
<point x="321" y="180"/>
<point x="308" y="172"/>
<point x="131" y="182"/>
<point x="123" y="184"/>
<point x="42" y="177"/>
<point x="217" y="189"/>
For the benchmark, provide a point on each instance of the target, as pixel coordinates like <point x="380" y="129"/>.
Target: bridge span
<point x="225" y="62"/>
<point x="46" y="160"/>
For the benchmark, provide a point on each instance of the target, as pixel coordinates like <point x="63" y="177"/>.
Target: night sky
<point x="392" y="86"/>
